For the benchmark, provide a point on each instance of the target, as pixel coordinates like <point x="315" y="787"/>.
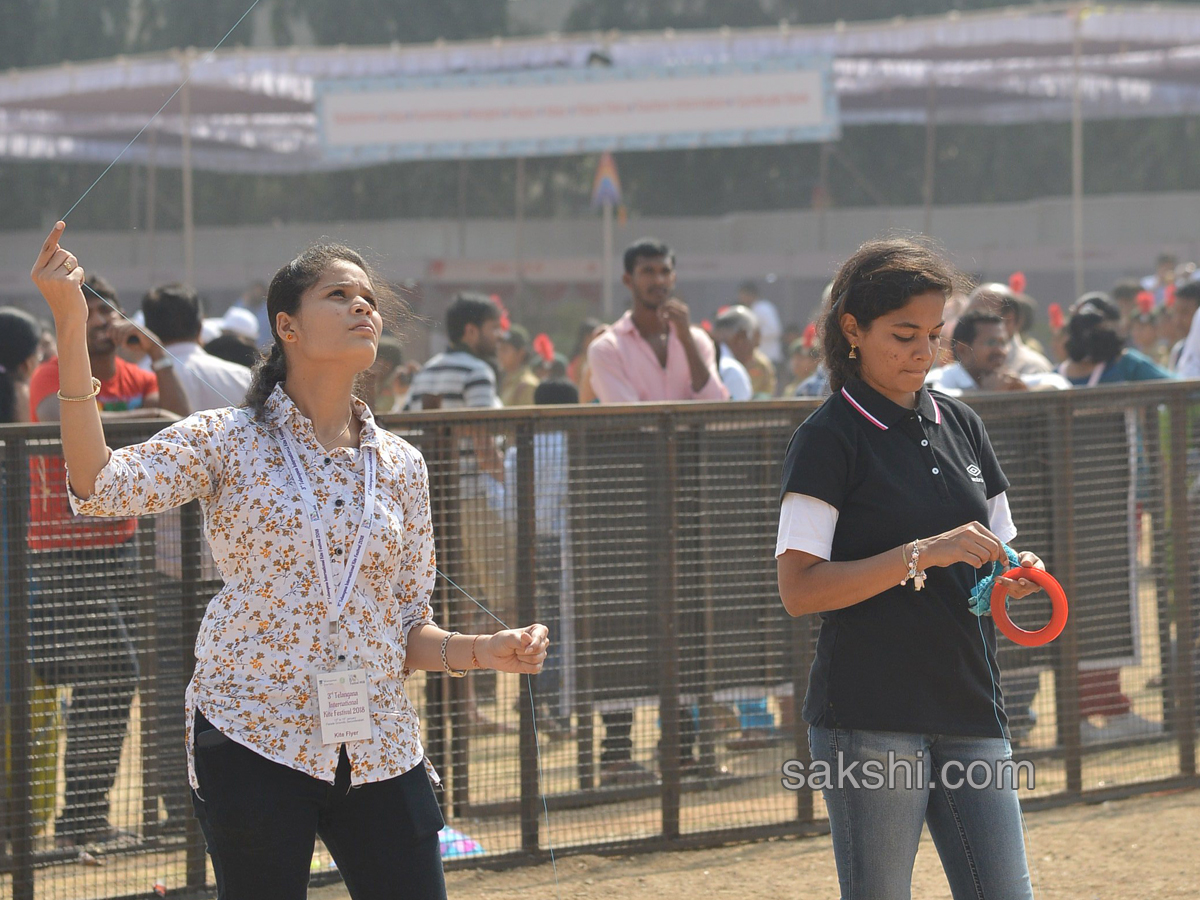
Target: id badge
<point x="343" y="700"/>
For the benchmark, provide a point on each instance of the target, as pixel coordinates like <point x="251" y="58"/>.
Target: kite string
<point x="108" y="168"/>
<point x="537" y="743"/>
<point x="182" y="84"/>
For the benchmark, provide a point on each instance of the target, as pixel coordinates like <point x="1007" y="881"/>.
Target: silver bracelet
<point x="915" y="574"/>
<point x="453" y="673"/>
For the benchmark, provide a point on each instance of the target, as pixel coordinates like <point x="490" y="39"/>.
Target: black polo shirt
<point x="902" y="660"/>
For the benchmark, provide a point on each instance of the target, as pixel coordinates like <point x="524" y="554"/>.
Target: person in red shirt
<point x="85" y="574"/>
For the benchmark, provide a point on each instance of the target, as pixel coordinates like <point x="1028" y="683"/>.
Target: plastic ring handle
<point x="1058" y="617"/>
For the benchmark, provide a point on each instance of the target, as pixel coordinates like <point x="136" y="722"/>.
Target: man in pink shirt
<point x="653" y="352"/>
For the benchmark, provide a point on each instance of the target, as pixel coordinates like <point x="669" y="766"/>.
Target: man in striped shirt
<point x="461" y="376"/>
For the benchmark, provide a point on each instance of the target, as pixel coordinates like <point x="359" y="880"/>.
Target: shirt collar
<point x="282" y="412"/>
<point x="183" y="350"/>
<point x="624" y="325"/>
<point x="882" y="412"/>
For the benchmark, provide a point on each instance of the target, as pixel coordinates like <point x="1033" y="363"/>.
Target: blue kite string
<point x="981" y="597"/>
<point x="988" y="581"/>
<point x="156" y="115"/>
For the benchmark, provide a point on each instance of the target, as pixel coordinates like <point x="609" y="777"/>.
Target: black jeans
<point x="78" y="636"/>
<point x="261" y="820"/>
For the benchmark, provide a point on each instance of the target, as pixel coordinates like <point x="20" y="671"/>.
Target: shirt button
<point x="936" y="471"/>
<point x="924" y="443"/>
<point x="339" y="502"/>
<point x="337" y="551"/>
<point x="328" y="460"/>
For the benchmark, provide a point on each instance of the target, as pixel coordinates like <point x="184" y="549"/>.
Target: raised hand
<point x="59" y="279"/>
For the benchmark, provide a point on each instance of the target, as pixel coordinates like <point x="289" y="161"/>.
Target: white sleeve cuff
<point x="806" y="524"/>
<point x="1000" y="522"/>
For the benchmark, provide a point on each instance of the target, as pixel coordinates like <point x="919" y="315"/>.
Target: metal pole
<point x="189" y="228"/>
<point x="1077" y="153"/>
<point x="1066" y="657"/>
<point x="526" y="584"/>
<point x="462" y="208"/>
<point x="151" y="203"/>
<point x="668" y="706"/>
<point x="608" y="261"/>
<point x="930" y="154"/>
<point x="19" y="825"/>
<point x="823" y="193"/>
<point x="1182" y="671"/>
<point x="519" y="248"/>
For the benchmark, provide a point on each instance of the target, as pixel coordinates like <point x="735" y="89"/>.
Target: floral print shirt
<point x="266" y="632"/>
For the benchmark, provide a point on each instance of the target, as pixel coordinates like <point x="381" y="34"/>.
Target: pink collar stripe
<point x="937" y="410"/>
<point x="870" y="418"/>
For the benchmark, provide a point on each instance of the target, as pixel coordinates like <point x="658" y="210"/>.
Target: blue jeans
<point x="977" y="831"/>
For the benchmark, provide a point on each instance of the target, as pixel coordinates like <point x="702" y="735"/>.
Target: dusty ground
<point x="1148" y="847"/>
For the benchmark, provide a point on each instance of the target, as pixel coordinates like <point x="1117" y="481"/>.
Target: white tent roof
<point x="253" y="110"/>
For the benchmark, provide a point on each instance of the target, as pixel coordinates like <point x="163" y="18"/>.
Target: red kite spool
<point x="1058" y="617"/>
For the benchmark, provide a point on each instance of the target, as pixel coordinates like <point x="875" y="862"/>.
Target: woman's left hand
<point x="1023" y="587"/>
<point x="520" y="650"/>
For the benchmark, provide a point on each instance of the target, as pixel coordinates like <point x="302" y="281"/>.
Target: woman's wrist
<point x="465" y="652"/>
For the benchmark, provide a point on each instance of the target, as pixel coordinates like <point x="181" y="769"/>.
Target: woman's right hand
<point x="63" y="290"/>
<point x="972" y="544"/>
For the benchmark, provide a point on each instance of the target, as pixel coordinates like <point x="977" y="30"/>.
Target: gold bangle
<point x="474" y="659"/>
<point x="92" y="396"/>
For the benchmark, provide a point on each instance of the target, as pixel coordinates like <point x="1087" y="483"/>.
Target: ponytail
<point x="20" y="334"/>
<point x="269" y="371"/>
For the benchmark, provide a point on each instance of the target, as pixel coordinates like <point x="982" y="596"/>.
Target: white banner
<point x="561" y="112"/>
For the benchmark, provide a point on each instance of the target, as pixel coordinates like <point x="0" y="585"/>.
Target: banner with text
<point x="562" y="112"/>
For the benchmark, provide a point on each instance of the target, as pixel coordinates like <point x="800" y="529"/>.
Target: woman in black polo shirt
<point x="885" y="488"/>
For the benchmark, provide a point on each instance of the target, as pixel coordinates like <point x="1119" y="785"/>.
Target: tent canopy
<point x="252" y="110"/>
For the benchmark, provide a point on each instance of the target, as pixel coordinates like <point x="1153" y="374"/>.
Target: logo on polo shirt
<point x="976" y="474"/>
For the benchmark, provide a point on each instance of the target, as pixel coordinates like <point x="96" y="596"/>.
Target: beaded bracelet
<point x="915" y="573"/>
<point x="453" y="673"/>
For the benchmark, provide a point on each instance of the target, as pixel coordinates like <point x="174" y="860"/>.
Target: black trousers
<point x="79" y="637"/>
<point x="261" y="819"/>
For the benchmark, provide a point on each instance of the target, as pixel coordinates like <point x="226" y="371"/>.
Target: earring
<point x="853" y="351"/>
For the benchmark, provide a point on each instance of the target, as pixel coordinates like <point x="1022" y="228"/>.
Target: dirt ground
<point x="1147" y="847"/>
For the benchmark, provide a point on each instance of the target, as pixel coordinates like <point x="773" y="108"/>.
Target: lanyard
<point x="1093" y="379"/>
<point x="337" y="603"/>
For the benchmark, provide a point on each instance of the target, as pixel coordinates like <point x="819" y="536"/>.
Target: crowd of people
<point x="169" y="360"/>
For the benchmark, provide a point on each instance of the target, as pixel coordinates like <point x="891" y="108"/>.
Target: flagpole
<point x="608" y="261"/>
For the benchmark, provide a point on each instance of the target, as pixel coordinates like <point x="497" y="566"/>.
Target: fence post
<point x="19" y="674"/>
<point x="1182" y="668"/>
<point x="581" y="609"/>
<point x="668" y="707"/>
<point x="439" y="466"/>
<point x="527" y="612"/>
<point x="196" y="865"/>
<point x="1066" y="659"/>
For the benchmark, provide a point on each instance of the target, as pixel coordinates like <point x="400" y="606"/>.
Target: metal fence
<point x="644" y="537"/>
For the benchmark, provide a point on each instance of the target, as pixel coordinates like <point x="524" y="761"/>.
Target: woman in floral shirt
<point x="319" y="522"/>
